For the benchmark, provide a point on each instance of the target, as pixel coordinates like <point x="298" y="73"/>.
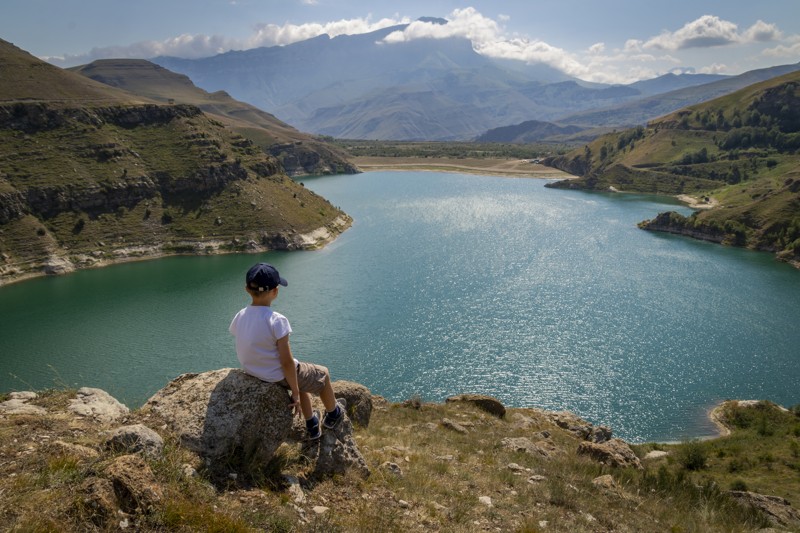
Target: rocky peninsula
<point x="220" y="450"/>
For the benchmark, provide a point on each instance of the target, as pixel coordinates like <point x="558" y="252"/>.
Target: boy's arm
<point x="289" y="371"/>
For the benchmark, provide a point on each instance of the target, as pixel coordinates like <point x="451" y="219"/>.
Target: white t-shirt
<point x="257" y="329"/>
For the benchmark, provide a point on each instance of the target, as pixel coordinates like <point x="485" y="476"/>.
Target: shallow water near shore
<point x="449" y="283"/>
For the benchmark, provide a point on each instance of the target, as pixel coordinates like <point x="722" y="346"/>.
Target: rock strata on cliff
<point x="88" y="186"/>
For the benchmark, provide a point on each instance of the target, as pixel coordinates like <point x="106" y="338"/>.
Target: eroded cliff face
<point x="88" y="186"/>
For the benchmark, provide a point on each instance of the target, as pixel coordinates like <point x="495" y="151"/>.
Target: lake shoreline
<point x="57" y="266"/>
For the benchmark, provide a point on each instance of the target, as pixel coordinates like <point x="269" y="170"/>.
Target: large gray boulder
<point x="233" y="420"/>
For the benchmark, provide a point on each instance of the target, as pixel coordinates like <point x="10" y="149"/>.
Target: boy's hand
<point x="295" y="405"/>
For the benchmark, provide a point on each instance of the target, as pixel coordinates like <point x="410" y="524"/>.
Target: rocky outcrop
<point x="542" y="448"/>
<point x="489" y="404"/>
<point x="614" y="453"/>
<point x="229" y="418"/>
<point x="35" y="117"/>
<point x="580" y="427"/>
<point x="777" y="510"/>
<point x="336" y="451"/>
<point x="98" y="405"/>
<point x="18" y="404"/>
<point x="136" y="438"/>
<point x="672" y="222"/>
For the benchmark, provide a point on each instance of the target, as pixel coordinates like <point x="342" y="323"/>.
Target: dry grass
<point x="446" y="478"/>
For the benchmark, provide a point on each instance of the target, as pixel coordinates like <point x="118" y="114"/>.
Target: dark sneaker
<point x="333" y="418"/>
<point x="313" y="429"/>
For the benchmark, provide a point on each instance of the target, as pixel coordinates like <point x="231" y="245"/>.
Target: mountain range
<point x="360" y="87"/>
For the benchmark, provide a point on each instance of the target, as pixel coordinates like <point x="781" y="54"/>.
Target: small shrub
<point x="415" y="402"/>
<point x="692" y="455"/>
<point x="739" y="485"/>
<point x="794" y="448"/>
<point x="738" y="465"/>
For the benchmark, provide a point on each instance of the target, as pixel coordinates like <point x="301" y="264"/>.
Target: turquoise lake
<point x="445" y="284"/>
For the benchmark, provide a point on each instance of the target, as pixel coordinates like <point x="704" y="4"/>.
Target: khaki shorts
<point x="310" y="378"/>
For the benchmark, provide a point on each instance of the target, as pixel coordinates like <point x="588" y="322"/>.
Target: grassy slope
<point x="175" y="180"/>
<point x="271" y="134"/>
<point x="686" y="153"/>
<point x="443" y="475"/>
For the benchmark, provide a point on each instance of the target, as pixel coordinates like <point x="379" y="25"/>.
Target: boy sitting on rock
<point x="262" y="346"/>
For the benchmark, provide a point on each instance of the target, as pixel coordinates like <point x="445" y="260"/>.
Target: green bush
<point x="739" y="485"/>
<point x="692" y="455"/>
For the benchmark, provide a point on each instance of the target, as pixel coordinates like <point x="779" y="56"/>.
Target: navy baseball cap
<point x="264" y="277"/>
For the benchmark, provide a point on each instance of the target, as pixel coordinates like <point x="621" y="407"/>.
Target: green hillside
<point x="299" y="153"/>
<point x="90" y="175"/>
<point x="741" y="151"/>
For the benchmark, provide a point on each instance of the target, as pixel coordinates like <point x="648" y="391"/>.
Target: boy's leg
<point x="305" y="405"/>
<point x="317" y="380"/>
<point x="326" y="394"/>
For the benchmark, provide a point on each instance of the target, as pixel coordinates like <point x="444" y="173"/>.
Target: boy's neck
<point x="263" y="299"/>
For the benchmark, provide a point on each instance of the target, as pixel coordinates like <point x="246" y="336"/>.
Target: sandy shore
<point x="715" y="415"/>
<point x="520" y="168"/>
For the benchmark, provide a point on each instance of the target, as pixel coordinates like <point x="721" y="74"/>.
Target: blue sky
<point x="614" y="41"/>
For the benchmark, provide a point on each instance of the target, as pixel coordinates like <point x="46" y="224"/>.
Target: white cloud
<point x="762" y="32"/>
<point x="706" y="31"/>
<point x="187" y="46"/>
<point x="197" y="46"/>
<point x="635" y="60"/>
<point x="597" y="48"/>
<point x="633" y="45"/>
<point x="710" y="30"/>
<point x="715" y="68"/>
<point x="272" y="34"/>
<point x="467" y="23"/>
<point x="792" y="49"/>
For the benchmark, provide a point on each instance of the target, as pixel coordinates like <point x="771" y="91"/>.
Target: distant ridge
<point x="643" y="110"/>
